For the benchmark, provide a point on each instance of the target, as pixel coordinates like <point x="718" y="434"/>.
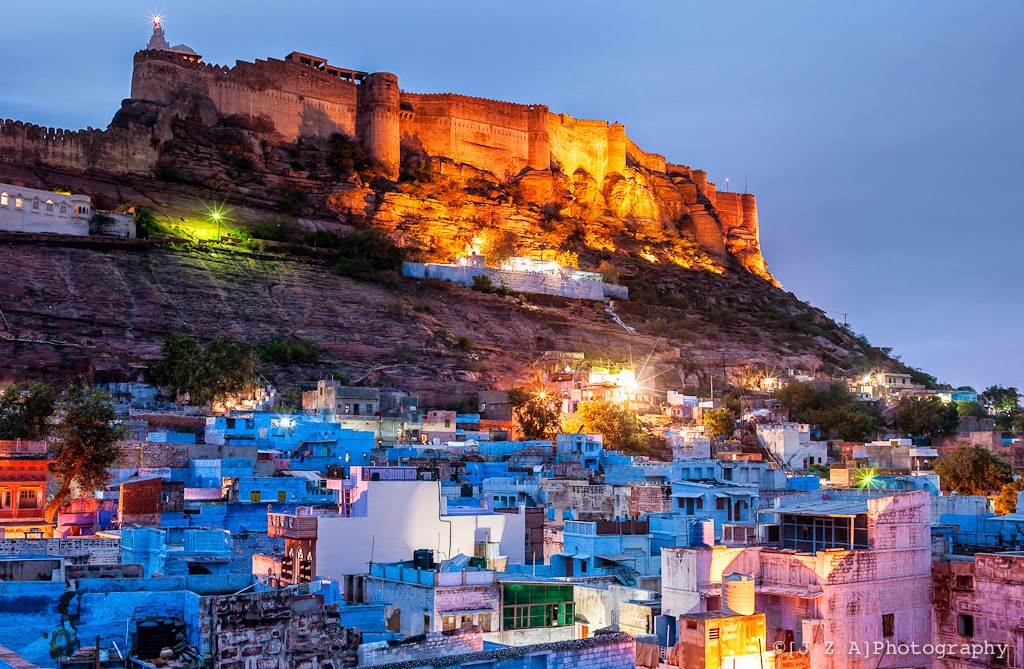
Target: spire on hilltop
<point x="158" y="42"/>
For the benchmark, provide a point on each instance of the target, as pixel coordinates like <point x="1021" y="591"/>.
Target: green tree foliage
<point x="834" y="408"/>
<point x="619" y="425"/>
<point x="719" y="422"/>
<point x="1006" y="500"/>
<point x="290" y="351"/>
<point x="928" y="417"/>
<point x="971" y="409"/>
<point x="364" y="255"/>
<point x="84" y="445"/>
<point x="206" y="373"/>
<point x="1003" y="400"/>
<point x="538" y="414"/>
<point x="973" y="470"/>
<point x="347" y="156"/>
<point x="146" y="223"/>
<point x="25" y="414"/>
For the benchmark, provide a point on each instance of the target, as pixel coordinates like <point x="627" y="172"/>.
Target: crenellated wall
<point x="116" y="150"/>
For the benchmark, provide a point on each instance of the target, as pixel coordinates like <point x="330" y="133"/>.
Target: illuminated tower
<point x="158" y="42"/>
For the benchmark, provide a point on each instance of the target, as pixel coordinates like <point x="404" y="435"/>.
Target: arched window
<point x="3" y="199"/>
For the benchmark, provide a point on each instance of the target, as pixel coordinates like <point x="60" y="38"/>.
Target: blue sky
<point x="882" y="139"/>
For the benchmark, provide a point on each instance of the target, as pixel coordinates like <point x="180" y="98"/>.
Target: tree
<point x="1002" y="400"/>
<point x="928" y="417"/>
<point x="619" y="425"/>
<point x="971" y="409"/>
<point x="834" y="408"/>
<point x="973" y="470"/>
<point x="719" y="422"/>
<point x="25" y="414"/>
<point x="1006" y="501"/>
<point x="538" y="413"/>
<point x="207" y="374"/>
<point x="85" y="444"/>
<point x="568" y="259"/>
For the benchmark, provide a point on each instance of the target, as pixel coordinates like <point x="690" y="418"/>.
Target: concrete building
<point x="32" y="210"/>
<point x="616" y="547"/>
<point x="842" y="571"/>
<point x="587" y="449"/>
<point x="23" y="481"/>
<point x="979" y="610"/>
<point x="395" y="518"/>
<point x="432" y="597"/>
<point x="791" y="444"/>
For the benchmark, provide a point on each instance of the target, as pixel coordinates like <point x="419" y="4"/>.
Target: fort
<point x="303" y="96"/>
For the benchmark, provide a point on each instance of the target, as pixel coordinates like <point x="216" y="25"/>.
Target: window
<point x="888" y="625"/>
<point x="18" y="202"/>
<point x="691" y="624"/>
<point x="254" y="496"/>
<point x="369" y="408"/>
<point x="529" y="606"/>
<point x="965" y="625"/>
<point x="49" y="206"/>
<point x="63" y="209"/>
<point x="465" y="621"/>
<point x="965" y="582"/>
<point x="727" y="473"/>
<point x="3" y="199"/>
<point x="35" y="205"/>
<point x="720" y="504"/>
<point x="282" y="496"/>
<point x="484" y="621"/>
<point x="447" y="423"/>
<point x="447" y="623"/>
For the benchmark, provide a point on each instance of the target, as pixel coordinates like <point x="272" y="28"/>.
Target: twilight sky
<point x="882" y="139"/>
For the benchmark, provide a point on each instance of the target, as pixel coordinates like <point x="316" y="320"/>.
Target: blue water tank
<point x="702" y="532"/>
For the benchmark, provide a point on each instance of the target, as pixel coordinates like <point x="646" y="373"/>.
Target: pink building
<point x="846" y="581"/>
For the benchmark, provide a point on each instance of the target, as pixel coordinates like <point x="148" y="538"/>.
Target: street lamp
<point x="216" y="217"/>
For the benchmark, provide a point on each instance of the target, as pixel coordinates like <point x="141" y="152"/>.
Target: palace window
<point x="3" y="199"/>
<point x="18" y="202"/>
<point x="63" y="209"/>
<point x="49" y="206"/>
<point x="35" y="205"/>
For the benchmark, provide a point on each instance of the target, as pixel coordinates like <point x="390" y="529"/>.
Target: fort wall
<point x="116" y="150"/>
<point x="299" y="100"/>
<point x="488" y="134"/>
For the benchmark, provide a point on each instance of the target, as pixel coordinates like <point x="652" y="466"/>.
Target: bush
<point x="322" y="239"/>
<point x="146" y="223"/>
<point x="347" y="156"/>
<point x="290" y="350"/>
<point x="293" y="201"/>
<point x="462" y="341"/>
<point x="271" y="231"/>
<point x="482" y="283"/>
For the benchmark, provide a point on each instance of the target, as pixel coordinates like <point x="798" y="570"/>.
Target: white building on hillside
<point x="41" y="211"/>
<point x="791" y="443"/>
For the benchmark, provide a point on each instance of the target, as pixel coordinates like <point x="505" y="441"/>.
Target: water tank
<point x="423" y="558"/>
<point x="738" y="594"/>
<point x="702" y="532"/>
<point x="153" y="636"/>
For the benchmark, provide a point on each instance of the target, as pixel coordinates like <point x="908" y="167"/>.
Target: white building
<point x="403" y="516"/>
<point x="41" y="211"/>
<point x="791" y="443"/>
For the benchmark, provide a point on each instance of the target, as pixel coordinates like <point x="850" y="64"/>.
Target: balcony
<point x="21" y="514"/>
<point x="291" y="527"/>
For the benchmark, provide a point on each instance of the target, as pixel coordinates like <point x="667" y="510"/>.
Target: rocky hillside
<point x="697" y="308"/>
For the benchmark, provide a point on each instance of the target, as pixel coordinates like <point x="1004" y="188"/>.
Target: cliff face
<point x="238" y="129"/>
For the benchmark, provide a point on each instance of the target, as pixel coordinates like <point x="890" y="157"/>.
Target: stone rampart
<point x="116" y="150"/>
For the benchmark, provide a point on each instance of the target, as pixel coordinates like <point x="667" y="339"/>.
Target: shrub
<point x="293" y="201"/>
<point x="271" y="231"/>
<point x="322" y="239"/>
<point x="347" y="156"/>
<point x="290" y="350"/>
<point x="146" y="223"/>
<point x="482" y="283"/>
<point x="462" y="341"/>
